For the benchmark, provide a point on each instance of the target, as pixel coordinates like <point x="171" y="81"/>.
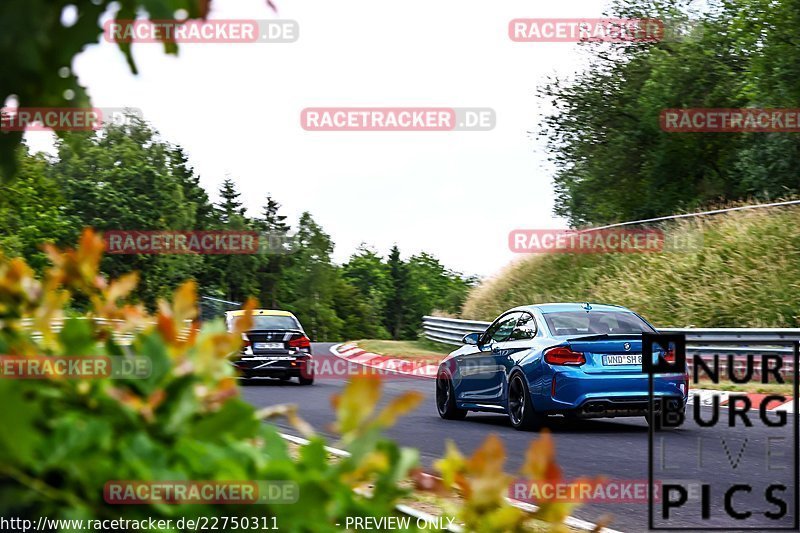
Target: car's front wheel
<point x="520" y="407"/>
<point x="446" y="399"/>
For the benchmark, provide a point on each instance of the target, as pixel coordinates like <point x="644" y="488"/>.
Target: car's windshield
<point x="595" y="322"/>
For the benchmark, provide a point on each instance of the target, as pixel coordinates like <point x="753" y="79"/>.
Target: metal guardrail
<point x="703" y="341"/>
<point x="122" y="338"/>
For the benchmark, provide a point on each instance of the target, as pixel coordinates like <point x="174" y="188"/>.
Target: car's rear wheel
<point x="306" y="380"/>
<point x="520" y="407"/>
<point x="446" y="399"/>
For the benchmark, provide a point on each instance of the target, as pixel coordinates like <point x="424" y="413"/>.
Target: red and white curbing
<point x="706" y="398"/>
<point x="352" y="353"/>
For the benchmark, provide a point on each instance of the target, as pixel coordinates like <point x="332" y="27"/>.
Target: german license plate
<point x="268" y="346"/>
<point x="619" y="360"/>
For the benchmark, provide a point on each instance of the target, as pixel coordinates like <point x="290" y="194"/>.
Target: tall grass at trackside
<point x="745" y="274"/>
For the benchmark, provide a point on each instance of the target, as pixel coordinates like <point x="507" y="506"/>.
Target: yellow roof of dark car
<point x="257" y="312"/>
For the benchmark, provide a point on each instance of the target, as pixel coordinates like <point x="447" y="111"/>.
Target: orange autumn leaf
<point x="355" y="404"/>
<point x="244" y="322"/>
<point x="397" y="407"/>
<point x="540" y="459"/>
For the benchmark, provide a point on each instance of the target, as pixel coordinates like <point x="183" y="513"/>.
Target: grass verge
<point x="740" y="271"/>
<point x="786" y="389"/>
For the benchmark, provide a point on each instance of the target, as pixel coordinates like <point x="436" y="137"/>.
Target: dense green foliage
<point x="614" y="162"/>
<point x="745" y="274"/>
<point x="127" y="178"/>
<point x="62" y="440"/>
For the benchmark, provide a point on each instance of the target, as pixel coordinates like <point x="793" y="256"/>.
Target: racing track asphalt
<point x="615" y="448"/>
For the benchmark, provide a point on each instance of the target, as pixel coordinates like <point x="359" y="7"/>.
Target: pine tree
<point x="274" y="234"/>
<point x="398" y="294"/>
<point x="230" y="207"/>
<point x="272" y="221"/>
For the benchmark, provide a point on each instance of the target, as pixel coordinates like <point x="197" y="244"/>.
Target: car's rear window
<point x="270" y="322"/>
<point x="595" y="322"/>
<point x="275" y="322"/>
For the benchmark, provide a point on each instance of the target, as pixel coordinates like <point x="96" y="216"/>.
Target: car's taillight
<point x="561" y="355"/>
<point x="300" y="342"/>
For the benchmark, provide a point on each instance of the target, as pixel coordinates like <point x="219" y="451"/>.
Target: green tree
<point x="235" y="272"/>
<point x="614" y="162"/>
<point x="431" y="287"/>
<point x="359" y="319"/>
<point x="275" y="247"/>
<point x="32" y="212"/>
<point x="397" y="309"/>
<point x="312" y="279"/>
<point x="124" y="179"/>
<point x="230" y="210"/>
<point x="366" y="271"/>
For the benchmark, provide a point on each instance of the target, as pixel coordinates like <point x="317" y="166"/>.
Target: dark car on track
<point x="276" y="347"/>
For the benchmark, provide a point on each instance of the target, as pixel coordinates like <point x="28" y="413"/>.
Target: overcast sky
<point x="236" y="109"/>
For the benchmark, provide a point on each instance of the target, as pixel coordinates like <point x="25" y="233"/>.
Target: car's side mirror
<point x="471" y="338"/>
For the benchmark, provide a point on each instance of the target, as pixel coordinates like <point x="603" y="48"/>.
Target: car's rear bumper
<point x="275" y="366"/>
<point x="634" y="406"/>
<point x="603" y="395"/>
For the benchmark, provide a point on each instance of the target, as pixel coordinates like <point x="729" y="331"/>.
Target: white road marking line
<point x="571" y="521"/>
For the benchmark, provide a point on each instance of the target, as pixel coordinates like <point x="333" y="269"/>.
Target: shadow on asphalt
<point x="560" y="425"/>
<point x="267" y="382"/>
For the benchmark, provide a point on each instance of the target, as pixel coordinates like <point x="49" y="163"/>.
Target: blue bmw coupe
<point x="571" y="359"/>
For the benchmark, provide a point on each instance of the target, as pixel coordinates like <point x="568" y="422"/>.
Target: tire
<point x="446" y="399"/>
<point x="306" y="380"/>
<point x="520" y="408"/>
